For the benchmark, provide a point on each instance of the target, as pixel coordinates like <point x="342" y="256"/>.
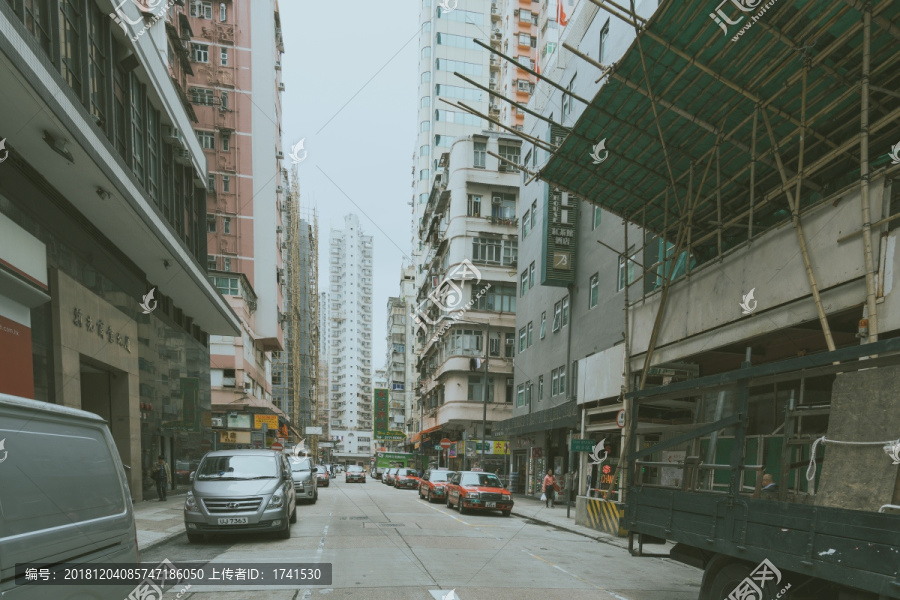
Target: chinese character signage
<point x="560" y="238"/>
<point x="381" y="412"/>
<point x="271" y="420"/>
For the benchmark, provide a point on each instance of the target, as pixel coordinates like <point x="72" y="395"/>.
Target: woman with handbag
<point x="549" y="488"/>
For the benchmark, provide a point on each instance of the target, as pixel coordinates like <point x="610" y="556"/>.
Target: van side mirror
<point x="192" y="475"/>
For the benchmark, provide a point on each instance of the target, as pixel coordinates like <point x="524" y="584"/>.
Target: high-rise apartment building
<point x="234" y="87"/>
<point x="350" y="341"/>
<point x="515" y="25"/>
<point x="400" y="359"/>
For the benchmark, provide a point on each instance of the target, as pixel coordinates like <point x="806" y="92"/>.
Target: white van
<point x="64" y="497"/>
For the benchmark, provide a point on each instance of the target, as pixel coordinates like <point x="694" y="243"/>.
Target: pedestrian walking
<point x="549" y="488"/>
<point x="162" y="476"/>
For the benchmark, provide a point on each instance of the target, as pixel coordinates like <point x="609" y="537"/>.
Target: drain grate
<point x="390" y="524"/>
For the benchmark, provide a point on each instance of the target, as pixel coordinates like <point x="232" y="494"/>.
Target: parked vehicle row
<point x="466" y="490"/>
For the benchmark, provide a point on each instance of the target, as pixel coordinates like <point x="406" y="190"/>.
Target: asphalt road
<point x="387" y="544"/>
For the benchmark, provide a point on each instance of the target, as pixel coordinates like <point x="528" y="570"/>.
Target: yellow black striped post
<point x="606" y="516"/>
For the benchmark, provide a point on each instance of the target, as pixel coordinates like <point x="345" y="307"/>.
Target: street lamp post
<point x="487" y="347"/>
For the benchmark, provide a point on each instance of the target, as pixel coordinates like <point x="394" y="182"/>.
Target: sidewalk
<point x="531" y="508"/>
<point x="157" y="522"/>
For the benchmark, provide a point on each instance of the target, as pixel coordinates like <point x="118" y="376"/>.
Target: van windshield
<point x="240" y="466"/>
<point x="300" y="464"/>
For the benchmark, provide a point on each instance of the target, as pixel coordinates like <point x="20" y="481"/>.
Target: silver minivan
<point x="304" y="475"/>
<point x="63" y="497"/>
<point x="241" y="491"/>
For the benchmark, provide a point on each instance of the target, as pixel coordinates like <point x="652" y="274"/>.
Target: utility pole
<point x="487" y="347"/>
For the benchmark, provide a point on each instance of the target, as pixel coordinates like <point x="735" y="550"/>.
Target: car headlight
<point x="190" y="504"/>
<point x="473" y="495"/>
<point x="507" y="497"/>
<point x="277" y="501"/>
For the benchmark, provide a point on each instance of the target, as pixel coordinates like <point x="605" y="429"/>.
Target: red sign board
<point x="276" y="446"/>
<point x="445" y="443"/>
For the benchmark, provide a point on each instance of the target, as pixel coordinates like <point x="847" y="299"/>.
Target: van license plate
<point x="233" y="521"/>
<point x="490" y="504"/>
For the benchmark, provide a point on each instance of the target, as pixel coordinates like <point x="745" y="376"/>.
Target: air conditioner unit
<point x="171" y="135"/>
<point x="497" y="199"/>
<point x="510" y="341"/>
<point x="280" y="87"/>
<point x="279" y="155"/>
<point x="279" y="189"/>
<point x="277" y="65"/>
<point x="279" y="229"/>
<point x="509" y="381"/>
<point x="218" y="422"/>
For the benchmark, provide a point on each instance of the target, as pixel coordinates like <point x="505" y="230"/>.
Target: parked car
<point x="433" y="485"/>
<point x="183" y="470"/>
<point x="406" y="479"/>
<point x="388" y="475"/>
<point x="64" y="494"/>
<point x="240" y="491"/>
<point x="322" y="478"/>
<point x="355" y="473"/>
<point x="477" y="490"/>
<point x="303" y="473"/>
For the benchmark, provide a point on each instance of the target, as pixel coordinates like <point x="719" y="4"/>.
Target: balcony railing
<point x="502" y="221"/>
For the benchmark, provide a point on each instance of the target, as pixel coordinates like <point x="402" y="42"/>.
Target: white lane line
<point x="572" y="575"/>
<point x="308" y="593"/>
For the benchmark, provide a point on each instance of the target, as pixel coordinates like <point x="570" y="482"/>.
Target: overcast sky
<point x="359" y="136"/>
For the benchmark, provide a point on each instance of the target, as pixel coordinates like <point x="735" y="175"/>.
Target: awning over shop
<point x="562" y="416"/>
<point x="703" y="121"/>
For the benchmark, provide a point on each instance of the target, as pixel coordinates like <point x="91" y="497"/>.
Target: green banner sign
<point x="559" y="242"/>
<point x="390" y="436"/>
<point x="582" y="445"/>
<point x="381" y="412"/>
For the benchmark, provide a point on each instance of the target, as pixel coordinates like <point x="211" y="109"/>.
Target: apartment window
<point x="223" y="12"/>
<point x="207" y="140"/>
<point x="604" y="35"/>
<point x="476" y="389"/>
<point x="223" y="57"/>
<point x="226" y="224"/>
<point x="480" y="154"/>
<point x="531" y="276"/>
<point x="524" y="39"/>
<point x="226" y="183"/>
<point x="224" y="100"/>
<point x="522" y="340"/>
<point x="210" y="223"/>
<point x="202" y="10"/>
<point x="511" y="153"/>
<point x="211" y="264"/>
<point x="456" y="41"/>
<point x="524" y="15"/>
<point x="460" y="93"/>
<point x="425" y="102"/>
<point x="226" y="142"/>
<point x="520" y="395"/>
<point x="562" y="380"/>
<point x="425" y="126"/>
<point x="499" y="297"/>
<point x="567" y="98"/>
<point x="227" y="286"/>
<point x="503" y="206"/>
<point x="533" y="212"/>
<point x="227" y="264"/>
<point x="530" y="333"/>
<point x="543" y="324"/>
<point x="526" y="223"/>
<point x="565" y="311"/>
<point x="496" y="251"/>
<point x="466" y="68"/>
<point x="494" y="344"/>
<point x="529" y="390"/>
<point x="620" y="280"/>
<point x="423" y="198"/>
<point x="524" y="282"/>
<point x="228" y="376"/>
<point x="424" y="174"/>
<point x="510" y="345"/>
<point x="595" y="290"/>
<point x="426" y="52"/>
<point x="596" y="217"/>
<point x="526" y="61"/>
<point x="554" y="382"/>
<point x="425" y="150"/>
<point x="452" y="116"/>
<point x="426" y="77"/>
<point x="204" y="96"/>
<point x="200" y="53"/>
<point x="540" y="387"/>
<point x="557" y="316"/>
<point x="573" y="377"/>
<point x="211" y="183"/>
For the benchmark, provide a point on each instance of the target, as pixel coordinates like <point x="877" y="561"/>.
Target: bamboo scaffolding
<point x="864" y="175"/>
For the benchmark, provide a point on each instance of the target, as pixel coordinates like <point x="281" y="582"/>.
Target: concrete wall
<point x="863" y="409"/>
<point x="708" y="304"/>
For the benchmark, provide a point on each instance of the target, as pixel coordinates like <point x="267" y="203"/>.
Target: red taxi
<point x="406" y="478"/>
<point x="322" y="478"/>
<point x="355" y="473"/>
<point x="387" y="476"/>
<point x="473" y="490"/>
<point x="433" y="485"/>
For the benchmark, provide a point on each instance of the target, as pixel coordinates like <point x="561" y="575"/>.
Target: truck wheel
<point x="723" y="581"/>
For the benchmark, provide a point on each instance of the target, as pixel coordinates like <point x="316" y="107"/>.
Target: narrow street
<point x="386" y="543"/>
